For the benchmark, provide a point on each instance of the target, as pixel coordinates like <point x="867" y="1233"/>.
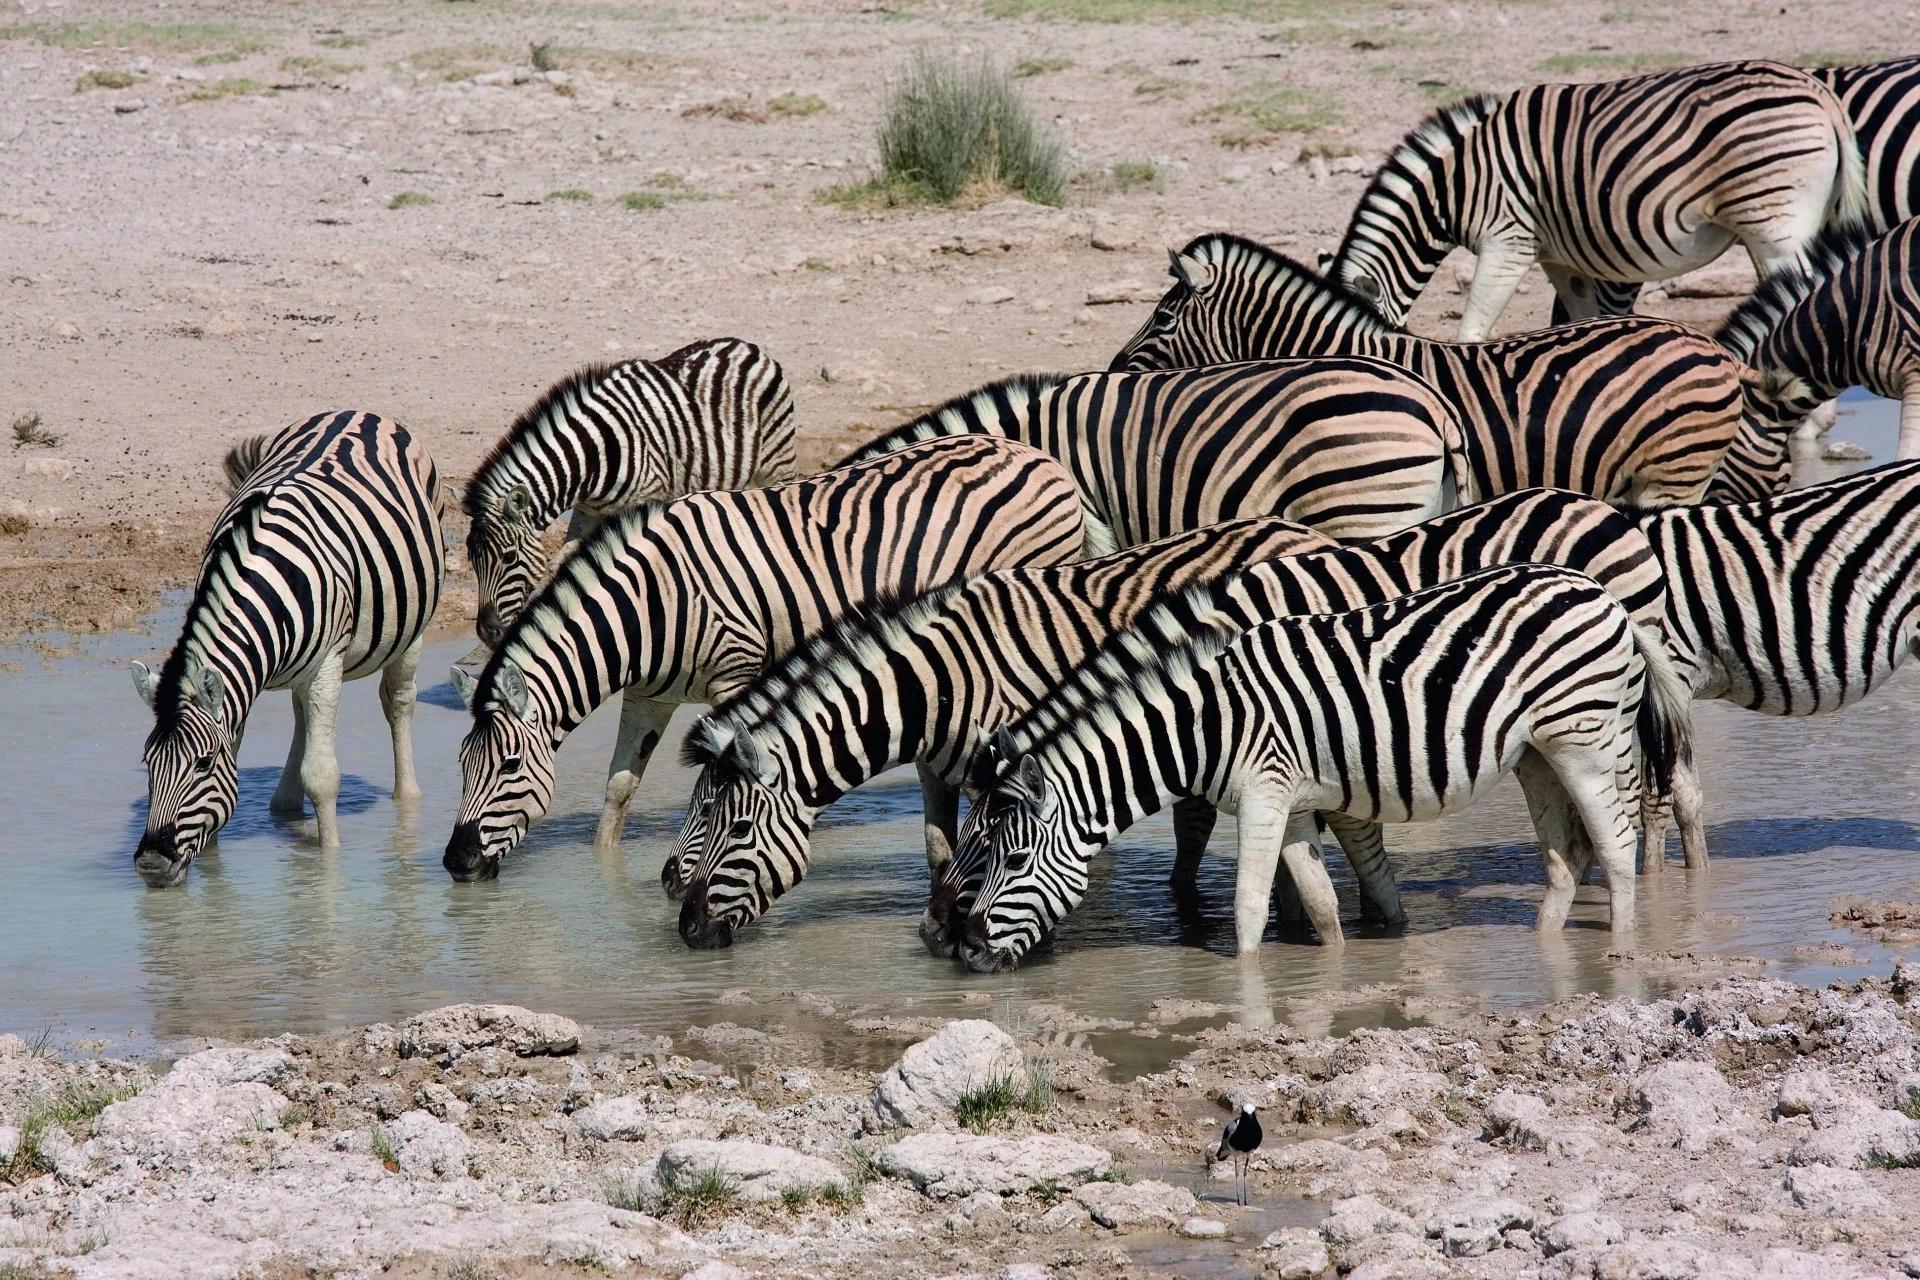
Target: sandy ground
<point x="208" y="250"/>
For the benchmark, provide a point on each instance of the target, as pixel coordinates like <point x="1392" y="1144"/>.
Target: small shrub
<point x="950" y="129"/>
<point x="1038" y="1097"/>
<point x="544" y="57"/>
<point x="82" y="1102"/>
<point x="696" y="1200"/>
<point x="407" y="199"/>
<point x="232" y="87"/>
<point x="1131" y="175"/>
<point x="216" y="59"/>
<point x="1875" y="1159"/>
<point x="644" y="200"/>
<point x="1047" y="1190"/>
<point x="796" y="104"/>
<point x="468" y="1267"/>
<point x="1156" y="88"/>
<point x="383" y="1150"/>
<point x="979" y="1109"/>
<point x="667" y="180"/>
<point x="624" y="1193"/>
<point x="865" y="1167"/>
<point x="1028" y="67"/>
<point x="796" y="1197"/>
<point x="844" y="1197"/>
<point x="31" y="428"/>
<point x="294" y="1116"/>
<point x="571" y="193"/>
<point x="105" y="80"/>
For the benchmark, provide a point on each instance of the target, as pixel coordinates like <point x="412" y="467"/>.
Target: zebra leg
<point x="320" y="767"/>
<point x="398" y="693"/>
<point x="1909" y="420"/>
<point x="1366" y="848"/>
<point x="1270" y="834"/>
<point x="289" y="798"/>
<point x="1689" y="807"/>
<point x="1193" y="819"/>
<point x="1654" y="811"/>
<point x="1496" y="274"/>
<point x="940" y="801"/>
<point x="642" y="721"/>
<point x="1554" y="823"/>
<point x="1588" y="780"/>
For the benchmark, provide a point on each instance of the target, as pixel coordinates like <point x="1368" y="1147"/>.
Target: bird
<point x="1238" y="1141"/>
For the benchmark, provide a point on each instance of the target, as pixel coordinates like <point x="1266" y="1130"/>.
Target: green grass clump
<point x="21" y="1271"/>
<point x="624" y="1193"/>
<point x="1132" y="175"/>
<point x="216" y="59"/>
<point x="796" y="104"/>
<point x="691" y="1201"/>
<point x="1262" y="112"/>
<point x="407" y="199"/>
<point x="178" y="37"/>
<point x="1615" y="64"/>
<point x="795" y="1197"/>
<point x="76" y="1106"/>
<point x="644" y="200"/>
<point x="383" y="1150"/>
<point x="231" y="87"/>
<point x="980" y="1109"/>
<point x="1910" y="1107"/>
<point x="339" y="40"/>
<point x="1158" y="88"/>
<point x="844" y="1197"/>
<point x="318" y="66"/>
<point x="1886" y="1160"/>
<point x="571" y="193"/>
<point x="1039" y="66"/>
<point x="105" y="80"/>
<point x="460" y="62"/>
<point x="950" y="130"/>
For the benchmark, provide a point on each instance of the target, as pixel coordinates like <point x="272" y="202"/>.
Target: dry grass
<point x="232" y="87"/>
<point x="953" y="131"/>
<point x="105" y="80"/>
<point x="31" y="428"/>
<point x="739" y="110"/>
<point x="460" y="62"/>
<point x="1261" y="112"/>
<point x="796" y="104"/>
<point x="409" y="199"/>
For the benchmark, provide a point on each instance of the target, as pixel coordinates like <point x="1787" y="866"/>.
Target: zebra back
<point x="1882" y="99"/>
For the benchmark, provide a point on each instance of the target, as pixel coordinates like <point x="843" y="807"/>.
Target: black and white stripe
<point x="1622" y="181"/>
<point x="1632" y="409"/>
<point x="1351" y="447"/>
<point x="689" y="600"/>
<point x="1398" y="712"/>
<point x="324" y="567"/>
<point x="1883" y="101"/>
<point x="712" y="415"/>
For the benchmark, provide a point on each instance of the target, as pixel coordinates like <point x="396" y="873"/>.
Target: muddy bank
<point x="1745" y="1127"/>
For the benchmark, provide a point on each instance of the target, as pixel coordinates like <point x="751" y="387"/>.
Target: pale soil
<point x="179" y="273"/>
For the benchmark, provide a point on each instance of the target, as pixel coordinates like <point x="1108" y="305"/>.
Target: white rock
<point x="1580" y="1231"/>
<point x="428" y="1148"/>
<point x="1121" y="291"/>
<point x="1239" y="173"/>
<point x="621" y="1119"/>
<point x="1858" y="1136"/>
<point x="980" y="1213"/>
<point x="65" y="329"/>
<point x="1295" y="1253"/>
<point x="760" y="1171"/>
<point x="1371" y="1093"/>
<point x="1520" y="1118"/>
<point x="189" y="1110"/>
<point x="945" y="1165"/>
<point x="992" y="295"/>
<point x="1353" y="164"/>
<point x="1846" y="451"/>
<point x="1022" y="1271"/>
<point x="462" y="1028"/>
<point x="1358" y="1217"/>
<point x="1805" y="1091"/>
<point x="1838" y="1193"/>
<point x="931" y="1076"/>
<point x="9" y="1141"/>
<point x="1068" y="1215"/>
<point x="1689" y="1103"/>
<point x="715" y="1270"/>
<point x="1470" y="1228"/>
<point x="1140" y="1205"/>
<point x="1109" y="237"/>
<point x="237" y="1066"/>
<point x="1204" y="1229"/>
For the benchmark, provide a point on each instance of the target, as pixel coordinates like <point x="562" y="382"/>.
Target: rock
<point x="1520" y="1118"/>
<point x="1069" y="1215"/>
<point x="1353" y="164"/>
<point x="715" y="1270"/>
<point x="1372" y="1093"/>
<point x="1085" y="316"/>
<point x="1239" y="173"/>
<point x="1358" y="1217"/>
<point x="440" y="1102"/>
<point x="1022" y="1271"/>
<point x="621" y="1119"/>
<point x="1295" y="1253"/>
<point x="1107" y="295"/>
<point x="1580" y="1231"/>
<point x="945" y="1165"/>
<point x="427" y="1147"/>
<point x="1204" y="1229"/>
<point x="980" y="1214"/>
<point x="462" y="1028"/>
<point x="65" y="329"/>
<point x="1470" y="1228"/>
<point x="1805" y="1091"/>
<point x="203" y="1102"/>
<point x="1838" y="1193"/>
<point x="1859" y="1136"/>
<point x="1138" y="1206"/>
<point x="931" y="1076"/>
<point x="1109" y="237"/>
<point x="130" y="106"/>
<point x="1846" y="451"/>
<point x="9" y="1141"/>
<point x="1688" y="1103"/>
<point x="993" y="295"/>
<point x="760" y="1171"/>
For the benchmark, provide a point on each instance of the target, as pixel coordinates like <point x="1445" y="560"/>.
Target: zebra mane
<point x="1743" y="332"/>
<point x="579" y="382"/>
<point x="1267" y="263"/>
<point x="1022" y="388"/>
<point x="1436" y="137"/>
<point x="235" y="532"/>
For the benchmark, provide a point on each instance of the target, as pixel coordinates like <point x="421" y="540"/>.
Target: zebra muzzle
<point x="698" y="929"/>
<point x="466" y="859"/>
<point x="158" y="859"/>
<point x="978" y="949"/>
<point x="671" y="881"/>
<point x="489" y="627"/>
<point x="937" y="933"/>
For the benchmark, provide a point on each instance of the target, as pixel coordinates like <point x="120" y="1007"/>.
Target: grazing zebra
<point x="689" y="601"/>
<point x="1632" y="409"/>
<point x="916" y="683"/>
<point x="1617" y="182"/>
<point x="1883" y="101"/>
<point x="1398" y="712"/>
<point x="1797" y="604"/>
<point x="713" y="415"/>
<point x="324" y="567"/>
<point x="1851" y="319"/>
<point x="1350" y="447"/>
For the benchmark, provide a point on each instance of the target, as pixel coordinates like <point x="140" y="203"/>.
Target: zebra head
<point x="192" y="776"/>
<point x="753" y="842"/>
<point x="1187" y="327"/>
<point x="1032" y="870"/>
<point x="506" y="772"/>
<point x="677" y="871"/>
<point x="504" y="548"/>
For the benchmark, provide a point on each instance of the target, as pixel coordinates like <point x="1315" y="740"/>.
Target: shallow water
<point x="270" y="934"/>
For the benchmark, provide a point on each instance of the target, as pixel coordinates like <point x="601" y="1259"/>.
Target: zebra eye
<point x="1017" y="859"/>
<point x="510" y="766"/>
<point x="1165" y="318"/>
<point x="204" y="764"/>
<point x="740" y="828"/>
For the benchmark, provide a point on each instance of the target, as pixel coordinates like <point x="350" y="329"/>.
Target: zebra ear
<point x="1191" y="272"/>
<point x="463" y="684"/>
<point x="510" y="687"/>
<point x="1033" y="784"/>
<point x="753" y="762"/>
<point x="209" y="692"/>
<point x="146" y="684"/>
<point x="519" y="503"/>
<point x="1325" y="260"/>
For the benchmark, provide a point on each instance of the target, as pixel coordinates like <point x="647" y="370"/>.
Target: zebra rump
<point x="1882" y="99"/>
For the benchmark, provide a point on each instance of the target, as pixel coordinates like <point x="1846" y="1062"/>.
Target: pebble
<point x="1204" y="1229"/>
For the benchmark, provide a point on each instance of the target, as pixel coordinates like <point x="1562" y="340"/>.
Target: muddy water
<point x="270" y="934"/>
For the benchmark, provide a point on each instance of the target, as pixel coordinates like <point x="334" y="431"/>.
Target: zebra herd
<point x="1282" y="560"/>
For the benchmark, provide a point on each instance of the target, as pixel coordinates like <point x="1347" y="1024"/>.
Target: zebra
<point x="1797" y="604"/>
<point x="1611" y="183"/>
<point x="325" y="566"/>
<point x="1351" y="447"/>
<point x="1852" y="318"/>
<point x="1883" y="101"/>
<point x="915" y="683"/>
<point x="926" y="682"/>
<point x="1632" y="409"/>
<point x="689" y="600"/>
<point x="712" y="415"/>
<point x="1397" y="712"/>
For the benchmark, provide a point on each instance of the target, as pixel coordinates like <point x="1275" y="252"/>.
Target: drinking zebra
<point x="1351" y="447"/>
<point x="917" y="683"/>
<point x="1397" y="712"/>
<point x="1797" y="604"/>
<point x="1883" y="101"/>
<point x="689" y="600"/>
<point x="1850" y="319"/>
<point x="712" y="415"/>
<point x="324" y="567"/>
<point x="1631" y="409"/>
<point x="926" y="682"/>
<point x="1605" y="185"/>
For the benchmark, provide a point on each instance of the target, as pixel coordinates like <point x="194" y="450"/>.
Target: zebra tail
<point x="1459" y="468"/>
<point x="1664" y="725"/>
<point x="1850" y="206"/>
<point x="243" y="460"/>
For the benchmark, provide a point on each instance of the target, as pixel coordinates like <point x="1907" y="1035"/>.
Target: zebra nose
<point x="671" y="878"/>
<point x="937" y="922"/>
<point x="699" y="930"/>
<point x="466" y="859"/>
<point x="158" y="859"/>
<point x="489" y="627"/>
<point x="974" y="933"/>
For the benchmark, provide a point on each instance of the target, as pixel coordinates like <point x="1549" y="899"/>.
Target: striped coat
<point x="1883" y="101"/>
<point x="688" y="601"/>
<point x="324" y="567"/>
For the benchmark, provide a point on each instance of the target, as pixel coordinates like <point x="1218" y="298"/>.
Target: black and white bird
<point x="1238" y="1141"/>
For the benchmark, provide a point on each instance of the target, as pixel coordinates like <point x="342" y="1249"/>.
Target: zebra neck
<point x="245" y="660"/>
<point x="1301" y="314"/>
<point x="1116" y="776"/>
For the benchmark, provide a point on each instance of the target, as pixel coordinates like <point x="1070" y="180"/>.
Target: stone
<point x="1520" y="1118"/>
<point x="440" y="1102"/>
<point x="1580" y="1231"/>
<point x="930" y="1077"/>
<point x="1806" y="1091"/>
<point x="759" y="1170"/>
<point x="1069" y="1215"/>
<point x="1204" y="1229"/>
<point x="66" y="329"/>
<point x="237" y="1066"/>
<point x="1107" y="295"/>
<point x="9" y="1141"/>
<point x="1372" y="1093"/>
<point x="1138" y="1206"/>
<point x="980" y="1214"/>
<point x="204" y="1101"/>
<point x="1688" y="1103"/>
<point x="1838" y="1193"/>
<point x="993" y="295"/>
<point x="1470" y="1228"/>
<point x="1358" y="1217"/>
<point x="428" y="1148"/>
<point x="949" y="1165"/>
<point x="621" y="1119"/>
<point x="1108" y="237"/>
<point x="1846" y="451"/>
<point x="715" y="1270"/>
<point x="462" y="1028"/>
<point x="1859" y="1136"/>
<point x="1295" y="1253"/>
<point x="1022" y="1271"/>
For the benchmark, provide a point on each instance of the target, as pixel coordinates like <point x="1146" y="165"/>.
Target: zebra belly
<point x="1695" y="246"/>
<point x="1413" y="798"/>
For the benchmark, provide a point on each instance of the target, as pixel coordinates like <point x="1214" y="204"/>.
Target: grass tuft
<point x="339" y="40"/>
<point x="980" y="1109"/>
<point x="1887" y="1160"/>
<point x="796" y="1197"/>
<point x="1261" y="112"/>
<point x="1910" y="1107"/>
<point x="644" y="200"/>
<point x="796" y="104"/>
<point x="460" y="62"/>
<point x="408" y="199"/>
<point x="1132" y="175"/>
<point x="950" y="130"/>
<point x="624" y="1192"/>
<point x="218" y="59"/>
<point x="844" y="1197"/>
<point x="318" y="66"/>
<point x="105" y="80"/>
<point x="690" y="1202"/>
<point x="574" y="194"/>
<point x="31" y="428"/>
<point x="1027" y="67"/>
<point x="231" y="87"/>
<point x="383" y="1150"/>
<point x="470" y="1267"/>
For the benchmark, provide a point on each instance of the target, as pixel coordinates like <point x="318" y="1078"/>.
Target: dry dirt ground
<point x="218" y="218"/>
